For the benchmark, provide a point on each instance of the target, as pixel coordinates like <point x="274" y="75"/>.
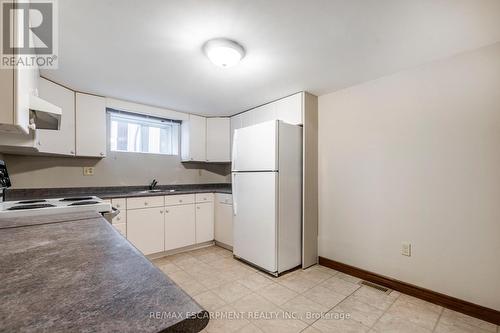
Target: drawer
<point x="120" y="203"/>
<point x="144" y="202"/>
<point x="120" y="218"/>
<point x="179" y="199"/>
<point x="224" y="198"/>
<point x="122" y="228"/>
<point x="204" y="197"/>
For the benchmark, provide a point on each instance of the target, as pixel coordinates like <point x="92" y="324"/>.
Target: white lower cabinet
<point x="224" y="219"/>
<point x="163" y="223"/>
<point x="204" y="222"/>
<point x="145" y="229"/>
<point x="179" y="226"/>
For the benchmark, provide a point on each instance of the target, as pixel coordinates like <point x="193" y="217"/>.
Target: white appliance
<point x="36" y="207"/>
<point x="267" y="195"/>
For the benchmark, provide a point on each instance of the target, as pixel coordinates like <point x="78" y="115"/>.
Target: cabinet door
<point x="289" y="109"/>
<point x="263" y="113"/>
<point x="204" y="222"/>
<point x="60" y="142"/>
<point x="193" y="141"/>
<point x="224" y="223"/>
<point x="145" y="229"/>
<point x="90" y="125"/>
<point x="179" y="226"/>
<point x="218" y="140"/>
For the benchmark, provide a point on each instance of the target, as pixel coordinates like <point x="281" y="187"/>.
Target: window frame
<point x="111" y="111"/>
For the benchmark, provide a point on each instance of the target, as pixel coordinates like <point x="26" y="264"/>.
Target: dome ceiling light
<point x="224" y="52"/>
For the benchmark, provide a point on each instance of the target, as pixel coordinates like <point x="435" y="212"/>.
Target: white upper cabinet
<point x="218" y="140"/>
<point x="193" y="139"/>
<point x="90" y="125"/>
<point x="61" y="142"/>
<point x="263" y="113"/>
<point x="289" y="109"/>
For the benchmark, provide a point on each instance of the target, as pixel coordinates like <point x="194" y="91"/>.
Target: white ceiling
<point x="149" y="51"/>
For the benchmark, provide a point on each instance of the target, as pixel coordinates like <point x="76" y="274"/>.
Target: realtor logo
<point x="29" y="33"/>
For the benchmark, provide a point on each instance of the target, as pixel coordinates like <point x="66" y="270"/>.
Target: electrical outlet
<point x="406" y="249"/>
<point x="88" y="171"/>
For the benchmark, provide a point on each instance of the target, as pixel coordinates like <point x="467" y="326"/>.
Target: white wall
<point x="416" y="157"/>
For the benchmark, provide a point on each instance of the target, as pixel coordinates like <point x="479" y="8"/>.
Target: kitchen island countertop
<point x="74" y="272"/>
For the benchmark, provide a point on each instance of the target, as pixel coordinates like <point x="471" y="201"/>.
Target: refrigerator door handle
<point x="235" y="201"/>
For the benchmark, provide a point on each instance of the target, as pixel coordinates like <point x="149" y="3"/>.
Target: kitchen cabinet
<point x="288" y="109"/>
<point x="218" y="140"/>
<point x="179" y="226"/>
<point x="193" y="139"/>
<point x="90" y="125"/>
<point x="61" y="142"/>
<point x="146" y="229"/>
<point x="263" y="113"/>
<point x="224" y="219"/>
<point x="204" y="222"/>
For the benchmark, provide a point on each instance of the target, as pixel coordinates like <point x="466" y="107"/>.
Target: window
<point x="129" y="132"/>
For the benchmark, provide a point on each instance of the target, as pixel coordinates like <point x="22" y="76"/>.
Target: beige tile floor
<point x="319" y="299"/>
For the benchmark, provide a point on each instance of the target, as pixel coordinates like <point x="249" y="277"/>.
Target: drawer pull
<point x="161" y="211"/>
<point x="145" y="203"/>
<point x="118" y="218"/>
<point x="180" y="200"/>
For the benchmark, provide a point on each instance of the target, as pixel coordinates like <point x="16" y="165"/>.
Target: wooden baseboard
<point x="471" y="309"/>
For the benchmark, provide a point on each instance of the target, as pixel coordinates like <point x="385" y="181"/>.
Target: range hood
<point x="44" y="115"/>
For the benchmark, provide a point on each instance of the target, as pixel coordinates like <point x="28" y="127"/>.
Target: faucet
<point x="153" y="185"/>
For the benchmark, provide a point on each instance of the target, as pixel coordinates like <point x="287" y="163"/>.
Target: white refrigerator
<point x="267" y="195"/>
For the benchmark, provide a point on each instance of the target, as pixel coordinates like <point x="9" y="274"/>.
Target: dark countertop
<point x="113" y="191"/>
<point x="74" y="273"/>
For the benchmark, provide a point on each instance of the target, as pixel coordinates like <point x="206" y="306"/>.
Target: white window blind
<point x="129" y="132"/>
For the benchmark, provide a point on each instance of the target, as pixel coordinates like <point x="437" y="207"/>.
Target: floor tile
<point x="359" y="311"/>
<point x="297" y="282"/>
<point x="421" y="313"/>
<point x="307" y="310"/>
<point x="192" y="287"/>
<point x="322" y="269"/>
<point x="391" y="324"/>
<point x="333" y="325"/>
<point x="324" y="296"/>
<point x="250" y="328"/>
<point x="232" y="291"/>
<point x="209" y="301"/>
<point x="452" y="321"/>
<point x="227" y="320"/>
<point x="377" y="298"/>
<point x="348" y="278"/>
<point x="316" y="275"/>
<point x="280" y="325"/>
<point x="340" y="286"/>
<point x="276" y="293"/>
<point x="254" y="305"/>
<point x="255" y="281"/>
<point x="311" y="329"/>
<point x="169" y="267"/>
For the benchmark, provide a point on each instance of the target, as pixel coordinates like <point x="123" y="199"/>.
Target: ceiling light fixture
<point x="224" y="52"/>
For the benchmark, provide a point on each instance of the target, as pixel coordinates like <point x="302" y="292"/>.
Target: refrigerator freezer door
<point x="255" y="219"/>
<point x="255" y="148"/>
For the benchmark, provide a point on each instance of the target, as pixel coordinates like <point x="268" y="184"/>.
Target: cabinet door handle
<point x="180" y="200"/>
<point x="167" y="211"/>
<point x="197" y="207"/>
<point x="118" y="218"/>
<point x="145" y="203"/>
<point x="72" y="152"/>
<point x="102" y="154"/>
